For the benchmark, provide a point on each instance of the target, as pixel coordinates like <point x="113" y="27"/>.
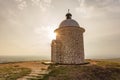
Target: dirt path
<point x="37" y="69"/>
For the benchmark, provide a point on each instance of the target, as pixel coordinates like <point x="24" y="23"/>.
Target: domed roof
<point x="69" y="21"/>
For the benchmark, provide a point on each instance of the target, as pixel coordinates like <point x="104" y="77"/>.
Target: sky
<point x="26" y="26"/>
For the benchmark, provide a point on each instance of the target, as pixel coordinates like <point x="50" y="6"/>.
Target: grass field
<point x="96" y="70"/>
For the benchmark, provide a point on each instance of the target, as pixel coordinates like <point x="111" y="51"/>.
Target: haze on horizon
<point x="26" y="26"/>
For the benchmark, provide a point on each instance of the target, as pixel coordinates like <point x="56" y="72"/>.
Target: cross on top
<point x="68" y="10"/>
<point x="68" y="15"/>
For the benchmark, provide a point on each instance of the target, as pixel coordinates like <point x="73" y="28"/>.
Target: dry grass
<point x="97" y="70"/>
<point x="12" y="72"/>
<point x="18" y="70"/>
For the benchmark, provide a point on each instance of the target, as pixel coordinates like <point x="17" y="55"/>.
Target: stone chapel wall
<point x="72" y="48"/>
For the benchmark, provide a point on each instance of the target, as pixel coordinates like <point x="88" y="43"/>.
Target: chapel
<point x="68" y="47"/>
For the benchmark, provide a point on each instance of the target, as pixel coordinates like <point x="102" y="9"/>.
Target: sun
<point x="52" y="35"/>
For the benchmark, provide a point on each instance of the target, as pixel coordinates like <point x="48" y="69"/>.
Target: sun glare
<point x="52" y="35"/>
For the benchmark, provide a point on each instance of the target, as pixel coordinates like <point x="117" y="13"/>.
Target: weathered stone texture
<point x="68" y="47"/>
